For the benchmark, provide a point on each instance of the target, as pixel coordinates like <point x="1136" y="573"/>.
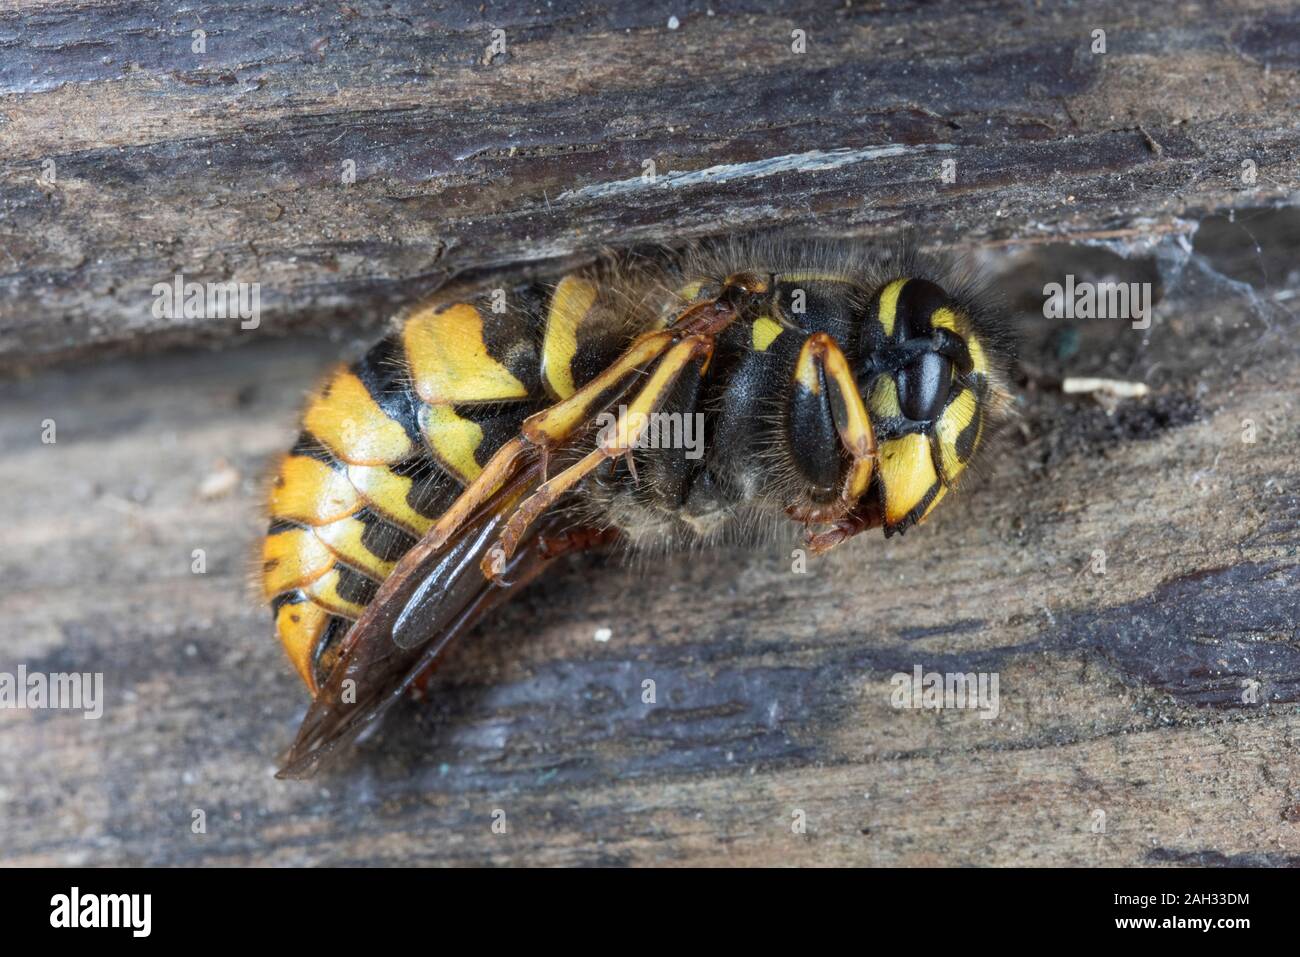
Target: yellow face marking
<point x="945" y="318"/>
<point x="884" y="398"/>
<point x="889" y="304"/>
<point x="907" y="474"/>
<point x="562" y="419"/>
<point x="979" y="362"/>
<point x="454" y="440"/>
<point x="956" y="417"/>
<point x="449" y="358"/>
<point x="954" y="322"/>
<point x="344" y="539"/>
<point x="309" y="491"/>
<point x="386" y="492"/>
<point x="347" y="420"/>
<point x="299" y="627"/>
<point x="325" y="592"/>
<point x="291" y="559"/>
<point x="764" y="331"/>
<point x="572" y="300"/>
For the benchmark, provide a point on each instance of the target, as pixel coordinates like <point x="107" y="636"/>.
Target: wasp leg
<point x="865" y="516"/>
<point x="581" y="539"/>
<point x="632" y="422"/>
<point x="547" y="430"/>
<point x="826" y="399"/>
<point x="560" y="422"/>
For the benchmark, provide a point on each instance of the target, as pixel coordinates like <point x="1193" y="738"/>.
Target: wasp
<point x="835" y="387"/>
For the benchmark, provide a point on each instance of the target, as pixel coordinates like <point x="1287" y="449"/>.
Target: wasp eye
<point x="923" y="386"/>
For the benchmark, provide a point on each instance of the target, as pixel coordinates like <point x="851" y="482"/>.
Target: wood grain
<point x="126" y="158"/>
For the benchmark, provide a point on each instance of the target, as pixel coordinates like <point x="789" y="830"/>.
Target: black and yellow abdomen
<point x="388" y="443"/>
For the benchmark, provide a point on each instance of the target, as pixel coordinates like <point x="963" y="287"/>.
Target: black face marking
<point x="953" y="347"/>
<point x="923" y="386"/>
<point x="965" y="444"/>
<point x="916" y="304"/>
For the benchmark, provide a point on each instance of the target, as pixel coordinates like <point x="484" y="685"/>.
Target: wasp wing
<point x="436" y="593"/>
<point x="438" y="590"/>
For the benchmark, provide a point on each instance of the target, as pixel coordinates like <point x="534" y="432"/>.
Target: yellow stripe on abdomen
<point x="453" y="440"/>
<point x="292" y="559"/>
<point x="308" y="490"/>
<point x="348" y="421"/>
<point x="324" y="591"/>
<point x="299" y="626"/>
<point x="449" y="358"/>
<point x="343" y="538"/>
<point x="387" y="493"/>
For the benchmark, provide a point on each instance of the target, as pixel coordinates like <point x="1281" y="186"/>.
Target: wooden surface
<point x="1120" y="692"/>
<point x="126" y="158"/>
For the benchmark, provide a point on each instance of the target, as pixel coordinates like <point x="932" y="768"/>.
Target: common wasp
<point x="836" y="387"/>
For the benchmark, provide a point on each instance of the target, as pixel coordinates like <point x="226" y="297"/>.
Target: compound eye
<point x="923" y="386"/>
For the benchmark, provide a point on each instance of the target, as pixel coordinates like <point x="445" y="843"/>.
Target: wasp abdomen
<point x="389" y="442"/>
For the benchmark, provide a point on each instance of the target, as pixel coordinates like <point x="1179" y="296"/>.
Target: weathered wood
<point x="1122" y="692"/>
<point x="126" y="158"/>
